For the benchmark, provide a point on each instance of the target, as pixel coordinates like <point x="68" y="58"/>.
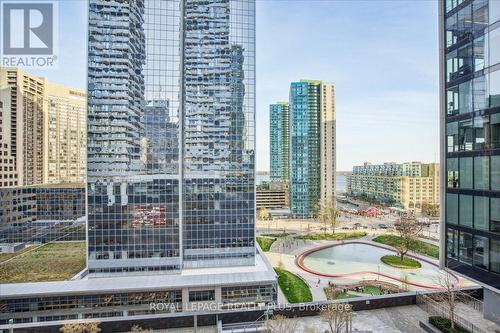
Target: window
<point x="452" y="170"/>
<point x="458" y="26"/>
<point x="465" y="97"/>
<point x="494" y="11"/>
<point x="494" y="46"/>
<point x="495" y="255"/>
<point x="480" y="15"/>
<point x="479" y="53"/>
<point x="481" y="213"/>
<point x="465" y="135"/>
<point x="452" y="208"/>
<point x="452" y="100"/>
<point x="465" y="248"/>
<point x="452" y="136"/>
<point x="495" y="130"/>
<point x="452" y="244"/>
<point x="495" y="172"/>
<point x="481" y="173"/>
<point x="479" y="93"/>
<point x="481" y="259"/>
<point x="495" y="215"/>
<point x="202" y="295"/>
<point x="481" y="132"/>
<point x="465" y="210"/>
<point x="465" y="174"/>
<point x="495" y="86"/>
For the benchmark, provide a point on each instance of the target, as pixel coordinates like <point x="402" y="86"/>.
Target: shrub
<point x="444" y="325"/>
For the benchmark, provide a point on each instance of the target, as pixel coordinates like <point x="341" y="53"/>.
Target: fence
<point x="435" y="308"/>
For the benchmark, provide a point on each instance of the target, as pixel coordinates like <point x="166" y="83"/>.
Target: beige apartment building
<point x="409" y="185"/>
<point x="66" y="128"/>
<point x="328" y="148"/>
<point x="273" y="195"/>
<point x="43" y="131"/>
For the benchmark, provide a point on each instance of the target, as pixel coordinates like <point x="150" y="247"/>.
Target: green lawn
<point x="294" y="288"/>
<point x="395" y="261"/>
<point x="345" y="295"/>
<point x="372" y="290"/>
<point x="50" y="262"/>
<point x="335" y="236"/>
<point x="417" y="246"/>
<point x="265" y="243"/>
<point x="277" y="235"/>
<point x="7" y="256"/>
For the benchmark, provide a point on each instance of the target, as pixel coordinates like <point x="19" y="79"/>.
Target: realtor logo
<point x="28" y="35"/>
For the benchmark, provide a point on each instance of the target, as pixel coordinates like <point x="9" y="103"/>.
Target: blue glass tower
<point x="305" y="149"/>
<point x="279" y="140"/>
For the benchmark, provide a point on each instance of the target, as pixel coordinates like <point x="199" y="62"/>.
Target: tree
<point x="92" y="327"/>
<point x="430" y="209"/>
<point x="408" y="229"/>
<point x="263" y="214"/>
<point x="449" y="294"/>
<point x="337" y="316"/>
<point x="281" y="324"/>
<point x="329" y="215"/>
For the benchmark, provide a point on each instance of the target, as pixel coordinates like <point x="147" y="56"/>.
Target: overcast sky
<point x="382" y="56"/>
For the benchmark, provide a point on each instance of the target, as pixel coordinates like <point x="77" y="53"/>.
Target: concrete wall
<point x="491" y="305"/>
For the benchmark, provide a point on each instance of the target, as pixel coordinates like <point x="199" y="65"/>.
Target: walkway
<point x="476" y="318"/>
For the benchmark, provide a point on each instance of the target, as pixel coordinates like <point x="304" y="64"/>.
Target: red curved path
<point x="300" y="258"/>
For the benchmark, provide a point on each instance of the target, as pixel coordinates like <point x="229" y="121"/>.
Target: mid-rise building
<point x="42" y="213"/>
<point x="23" y="117"/>
<point x="279" y="140"/>
<point x="312" y="146"/>
<point x="409" y="185"/>
<point x="43" y="132"/>
<point x="273" y="195"/>
<point x="66" y="135"/>
<point x="470" y="143"/>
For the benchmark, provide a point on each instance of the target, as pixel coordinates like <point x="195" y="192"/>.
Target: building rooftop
<point x="199" y="277"/>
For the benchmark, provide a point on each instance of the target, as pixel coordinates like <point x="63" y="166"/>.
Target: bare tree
<point x="337" y="316"/>
<point x="328" y="214"/>
<point x="281" y="324"/>
<point x="449" y="294"/>
<point x="92" y="327"/>
<point x="408" y="229"/>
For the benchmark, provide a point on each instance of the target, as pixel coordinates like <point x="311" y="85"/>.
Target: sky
<point x="382" y="55"/>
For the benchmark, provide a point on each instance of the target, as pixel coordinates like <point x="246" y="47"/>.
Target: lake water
<point x="340" y="182"/>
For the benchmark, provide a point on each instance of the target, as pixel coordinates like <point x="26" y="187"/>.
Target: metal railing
<point x="435" y="308"/>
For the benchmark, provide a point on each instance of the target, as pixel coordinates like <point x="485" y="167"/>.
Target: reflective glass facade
<point x="305" y="151"/>
<point x="279" y="139"/>
<point x="170" y="134"/>
<point x="471" y="148"/>
<point x="218" y="132"/>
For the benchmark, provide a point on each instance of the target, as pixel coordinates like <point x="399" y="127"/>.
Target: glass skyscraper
<point x="312" y="146"/>
<point x="279" y="140"/>
<point x="170" y="135"/>
<point x="470" y="127"/>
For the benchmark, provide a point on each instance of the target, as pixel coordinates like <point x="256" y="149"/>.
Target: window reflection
<point x="459" y="26"/>
<point x="481" y="259"/>
<point x="465" y="247"/>
<point x="481" y="132"/>
<point x="494" y="98"/>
